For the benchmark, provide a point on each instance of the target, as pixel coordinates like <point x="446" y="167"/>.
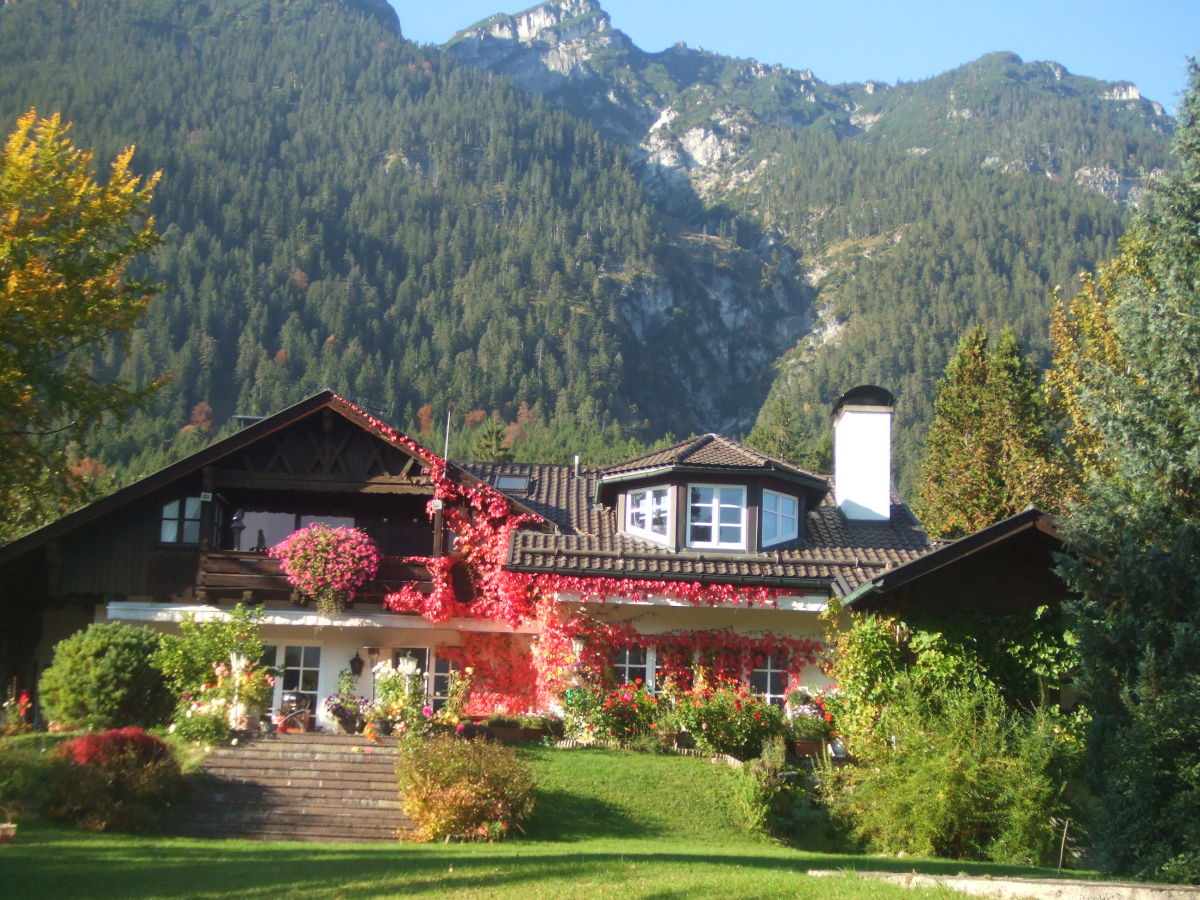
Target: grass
<point x="608" y="824"/>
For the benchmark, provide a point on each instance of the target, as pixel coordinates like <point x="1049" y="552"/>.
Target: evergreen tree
<point x="489" y="443"/>
<point x="1136" y="537"/>
<point x="989" y="454"/>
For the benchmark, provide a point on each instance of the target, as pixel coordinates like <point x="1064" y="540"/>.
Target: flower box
<point x="806" y="747"/>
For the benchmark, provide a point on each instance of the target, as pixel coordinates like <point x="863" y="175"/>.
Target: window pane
<point x="769" y="531"/>
<point x="191" y="532"/>
<point x="331" y="521"/>
<point x="731" y="534"/>
<point x="702" y="495"/>
<point x="171" y="510"/>
<point x="731" y="515"/>
<point x="732" y="496"/>
<point x="701" y="534"/>
<point x="268" y="656"/>
<point x="308" y="680"/>
<point x="291" y="657"/>
<point x="769" y="501"/>
<point x="291" y="679"/>
<point x="312" y="657"/>
<point x="169" y="533"/>
<point x="192" y="508"/>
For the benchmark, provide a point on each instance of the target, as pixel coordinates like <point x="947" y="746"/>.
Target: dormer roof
<point x="711" y="454"/>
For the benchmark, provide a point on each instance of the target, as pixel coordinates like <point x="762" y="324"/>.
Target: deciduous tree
<point x="66" y="241"/>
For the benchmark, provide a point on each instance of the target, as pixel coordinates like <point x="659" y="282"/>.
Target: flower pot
<point x="807" y="746"/>
<point x="507" y="734"/>
<point x="532" y="734"/>
<point x="8" y="832"/>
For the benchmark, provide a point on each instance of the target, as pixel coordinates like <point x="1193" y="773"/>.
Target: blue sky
<point x="1143" y="41"/>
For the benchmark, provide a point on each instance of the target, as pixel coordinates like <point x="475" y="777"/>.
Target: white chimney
<point x="862" y="453"/>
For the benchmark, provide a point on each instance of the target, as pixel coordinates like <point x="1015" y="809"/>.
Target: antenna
<point x="576" y="465"/>
<point x="446" y="445"/>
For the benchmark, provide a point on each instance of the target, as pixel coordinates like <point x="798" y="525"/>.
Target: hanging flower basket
<point x="327" y="565"/>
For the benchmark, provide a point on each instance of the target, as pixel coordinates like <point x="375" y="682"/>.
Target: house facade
<point x="704" y="554"/>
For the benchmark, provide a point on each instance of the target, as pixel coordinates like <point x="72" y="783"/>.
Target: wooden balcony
<point x="255" y="577"/>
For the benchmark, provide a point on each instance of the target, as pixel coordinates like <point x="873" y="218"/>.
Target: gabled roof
<point x="836" y="555"/>
<point x="223" y="448"/>
<point x="1031" y="537"/>
<point x="713" y="454"/>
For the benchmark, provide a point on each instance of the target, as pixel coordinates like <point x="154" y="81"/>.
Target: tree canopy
<point x="66" y="241"/>
<point x="1135" y="392"/>
<point x="989" y="453"/>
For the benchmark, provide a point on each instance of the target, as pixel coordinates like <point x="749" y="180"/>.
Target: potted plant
<point x="533" y="727"/>
<point x="346" y="707"/>
<point x="327" y="564"/>
<point x="8" y="828"/>
<point x="505" y="728"/>
<point x="811" y="724"/>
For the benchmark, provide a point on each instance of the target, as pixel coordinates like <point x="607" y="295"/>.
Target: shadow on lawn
<point x="567" y="816"/>
<point x="53" y="862"/>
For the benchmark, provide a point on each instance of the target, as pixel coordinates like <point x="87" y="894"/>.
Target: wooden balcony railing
<point x="257" y="577"/>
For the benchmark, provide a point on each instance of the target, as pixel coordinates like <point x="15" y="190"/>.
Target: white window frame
<point x="648" y="507"/>
<point x="647" y="674"/>
<point x="775" y="663"/>
<point x="281" y="667"/>
<point x="714" y="507"/>
<point x="779" y="517"/>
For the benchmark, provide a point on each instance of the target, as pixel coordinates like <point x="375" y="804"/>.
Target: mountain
<point x="915" y="210"/>
<point x="543" y="221"/>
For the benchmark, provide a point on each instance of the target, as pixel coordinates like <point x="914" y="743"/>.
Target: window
<point x="514" y="484"/>
<point x="441" y="682"/>
<point x="421" y="655"/>
<point x="180" y="522"/>
<point x="780" y="514"/>
<point x="260" y="530"/>
<point x="769" y="678"/>
<point x="717" y="516"/>
<point x="302" y="673"/>
<point x="629" y="664"/>
<point x="648" y="513"/>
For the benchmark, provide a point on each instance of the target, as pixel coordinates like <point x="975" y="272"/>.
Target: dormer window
<point x="716" y="516"/>
<point x="648" y="513"/>
<point x="780" y="518"/>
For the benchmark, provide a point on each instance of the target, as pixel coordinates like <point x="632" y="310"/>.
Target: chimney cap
<point x="865" y="395"/>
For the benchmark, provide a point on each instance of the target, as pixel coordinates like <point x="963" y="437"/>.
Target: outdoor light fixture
<point x="356" y="664"/>
<point x="407" y="665"/>
<point x="577" y="646"/>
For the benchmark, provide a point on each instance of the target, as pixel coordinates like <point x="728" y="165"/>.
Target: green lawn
<point x="609" y="824"/>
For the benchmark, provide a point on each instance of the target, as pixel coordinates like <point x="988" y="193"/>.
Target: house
<point x="705" y="551"/>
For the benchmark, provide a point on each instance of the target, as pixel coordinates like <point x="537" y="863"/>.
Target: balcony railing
<point x="257" y="577"/>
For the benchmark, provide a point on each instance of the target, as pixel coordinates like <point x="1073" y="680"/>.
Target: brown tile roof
<point x="836" y="553"/>
<point x="707" y="451"/>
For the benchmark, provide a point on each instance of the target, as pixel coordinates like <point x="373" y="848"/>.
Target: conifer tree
<point x="1136" y="537"/>
<point x="989" y="454"/>
<point x="489" y="443"/>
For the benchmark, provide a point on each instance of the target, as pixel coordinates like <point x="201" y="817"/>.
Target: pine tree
<point x="489" y="443"/>
<point x="989" y="454"/>
<point x="1136" y="537"/>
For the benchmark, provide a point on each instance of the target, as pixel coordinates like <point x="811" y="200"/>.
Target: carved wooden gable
<point x="325" y="451"/>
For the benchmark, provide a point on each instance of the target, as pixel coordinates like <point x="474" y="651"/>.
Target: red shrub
<point x="131" y="746"/>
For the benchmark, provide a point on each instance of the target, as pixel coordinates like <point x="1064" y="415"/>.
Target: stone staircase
<point x="296" y="787"/>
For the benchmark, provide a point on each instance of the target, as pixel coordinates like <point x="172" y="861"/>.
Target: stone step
<point x="308" y="832"/>
<point x="282" y="786"/>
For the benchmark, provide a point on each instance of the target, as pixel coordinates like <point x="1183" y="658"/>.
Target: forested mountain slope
<point x="916" y="209"/>
<point x="629" y="254"/>
<point x="342" y="209"/>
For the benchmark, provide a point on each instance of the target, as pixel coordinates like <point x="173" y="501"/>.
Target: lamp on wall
<point x="356" y="664"/>
<point x="406" y="665"/>
<point x="577" y="646"/>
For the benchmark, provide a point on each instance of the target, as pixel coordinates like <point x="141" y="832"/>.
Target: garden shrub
<point x="103" y="678"/>
<point x="471" y="790"/>
<point x="25" y="779"/>
<point x="768" y="798"/>
<point x="729" y="719"/>
<point x="122" y="780"/>
<point x="959" y="775"/>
